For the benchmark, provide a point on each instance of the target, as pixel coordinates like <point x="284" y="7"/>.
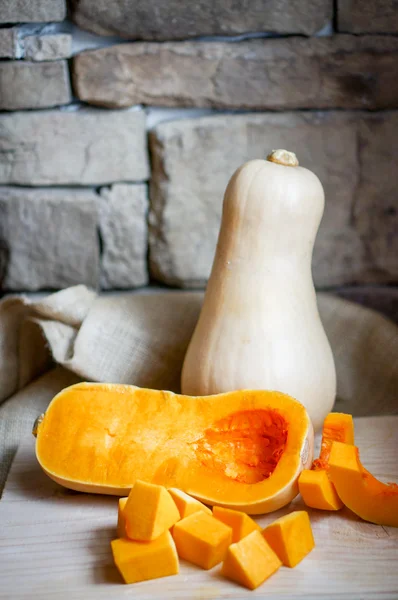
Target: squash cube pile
<point x="156" y="527"/>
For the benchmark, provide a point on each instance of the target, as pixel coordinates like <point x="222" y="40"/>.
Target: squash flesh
<point x="318" y="491"/>
<point x="315" y="486"/>
<point x="240" y="523"/>
<point x="186" y="504"/>
<point x="149" y="512"/>
<point x="290" y="537"/>
<point x="140" y="561"/>
<point x="202" y="540"/>
<point x="337" y="427"/>
<point x="121" y="520"/>
<point x="250" y="561"/>
<point x="360" y="491"/>
<point x="101" y="438"/>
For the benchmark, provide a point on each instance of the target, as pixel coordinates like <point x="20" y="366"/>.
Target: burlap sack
<point x="142" y="339"/>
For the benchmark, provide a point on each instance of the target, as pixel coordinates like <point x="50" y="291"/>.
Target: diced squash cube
<point x="318" y="491"/>
<point x="139" y="561"/>
<point x="240" y="522"/>
<point x="290" y="537"/>
<point x="251" y="561"/>
<point x="121" y="521"/>
<point x="201" y="539"/>
<point x="149" y="511"/>
<point x="186" y="504"/>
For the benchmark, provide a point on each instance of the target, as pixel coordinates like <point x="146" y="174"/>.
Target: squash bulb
<point x="259" y="327"/>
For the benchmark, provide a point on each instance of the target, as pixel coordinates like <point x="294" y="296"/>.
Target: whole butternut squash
<point x="259" y="327"/>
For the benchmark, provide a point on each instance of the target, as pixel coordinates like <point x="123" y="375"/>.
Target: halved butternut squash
<point x="362" y="493"/>
<point x="242" y="450"/>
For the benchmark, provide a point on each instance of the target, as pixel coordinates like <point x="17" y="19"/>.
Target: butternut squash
<point x="290" y="537"/>
<point x="315" y="486"/>
<point x="362" y="493"/>
<point x="240" y="523"/>
<point x="250" y="561"/>
<point x="121" y="521"/>
<point x="201" y="539"/>
<point x="149" y="511"/>
<point x="186" y="504"/>
<point x="259" y="327"/>
<point x="242" y="450"/>
<point x="140" y="561"/>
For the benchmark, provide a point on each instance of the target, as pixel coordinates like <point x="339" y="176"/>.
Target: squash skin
<point x="259" y="327"/>
<point x="173" y="461"/>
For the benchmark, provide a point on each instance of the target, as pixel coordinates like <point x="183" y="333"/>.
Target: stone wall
<point x="116" y="143"/>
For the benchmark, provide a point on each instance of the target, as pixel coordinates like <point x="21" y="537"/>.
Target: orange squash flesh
<point x="243" y="450"/>
<point x="290" y="537"/>
<point x="337" y="427"/>
<point x="240" y="523"/>
<point x="121" y="520"/>
<point x="362" y="493"/>
<point x="318" y="491"/>
<point x="140" y="561"/>
<point x="202" y="540"/>
<point x="315" y="486"/>
<point x="250" y="561"/>
<point x="149" y="511"/>
<point x="186" y="504"/>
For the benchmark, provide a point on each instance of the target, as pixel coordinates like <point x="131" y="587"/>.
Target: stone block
<point x="157" y="20"/>
<point x="33" y="85"/>
<point x="375" y="211"/>
<point x="32" y="11"/>
<point x="8" y="43"/>
<point x="48" y="47"/>
<point x="48" y="238"/>
<point x="83" y="147"/>
<point x="123" y="230"/>
<point x="367" y="16"/>
<point x="340" y="71"/>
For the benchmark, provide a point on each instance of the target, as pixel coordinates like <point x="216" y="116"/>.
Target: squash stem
<point x="283" y="157"/>
<point x="37" y="423"/>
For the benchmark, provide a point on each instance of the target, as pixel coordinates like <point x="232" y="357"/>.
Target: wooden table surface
<point x="54" y="543"/>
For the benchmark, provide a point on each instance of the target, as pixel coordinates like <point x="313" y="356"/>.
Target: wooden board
<point x="54" y="544"/>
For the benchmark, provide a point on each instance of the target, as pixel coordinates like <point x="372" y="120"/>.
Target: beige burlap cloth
<point x="142" y="339"/>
